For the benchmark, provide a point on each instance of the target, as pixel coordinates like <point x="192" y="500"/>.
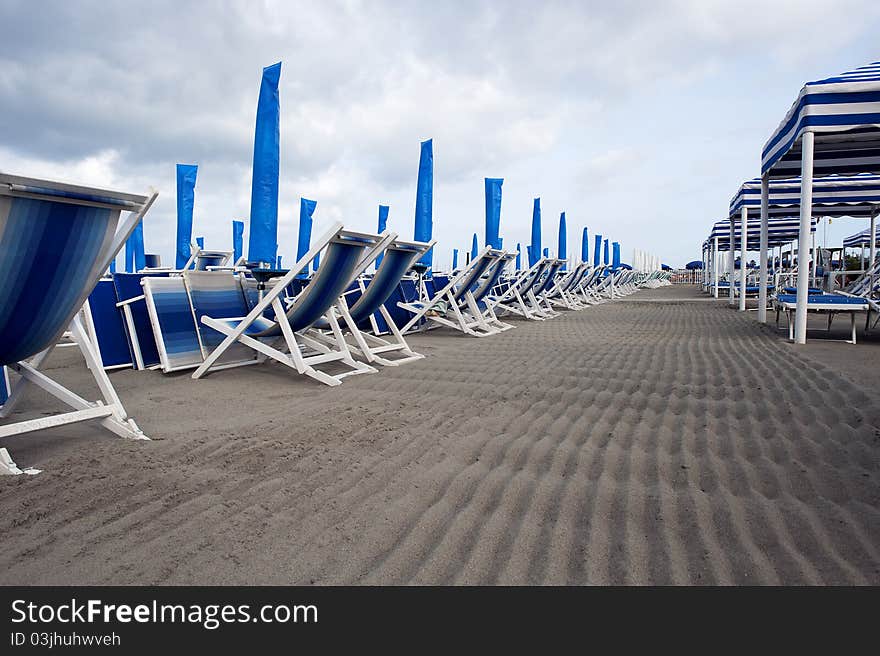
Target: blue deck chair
<point x="344" y="252"/>
<point x="372" y="295"/>
<point x="106" y="326"/>
<point x="56" y="240"/>
<point x="537" y="295"/>
<point x="172" y="324"/>
<point x="562" y="293"/>
<point x="514" y="299"/>
<point x="451" y="305"/>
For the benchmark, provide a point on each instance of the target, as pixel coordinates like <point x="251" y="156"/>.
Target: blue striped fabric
<point x="825" y="299"/>
<point x="862" y="238"/>
<point x="49" y="252"/>
<point x="844" y="113"/>
<point x="395" y="263"/>
<point x="128" y="285"/>
<point x="779" y="232"/>
<point x="109" y="325"/>
<point x="218" y="295"/>
<point x="547" y="276"/>
<point x="837" y="195"/>
<point x="175" y="333"/>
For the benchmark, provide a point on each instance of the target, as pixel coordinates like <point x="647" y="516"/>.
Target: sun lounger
<point x="283" y="338"/>
<point x="56" y="240"/>
<point x="830" y="304"/>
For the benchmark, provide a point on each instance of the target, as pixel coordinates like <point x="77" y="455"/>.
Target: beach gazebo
<point x="780" y="231"/>
<point x="833" y="128"/>
<point x="836" y="195"/>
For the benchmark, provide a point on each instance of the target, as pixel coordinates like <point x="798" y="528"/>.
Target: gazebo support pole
<point x="803" y="275"/>
<point x="743" y="246"/>
<point x="762" y="278"/>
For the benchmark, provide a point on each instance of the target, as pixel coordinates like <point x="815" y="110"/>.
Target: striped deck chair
<point x="513" y="300"/>
<point x="457" y="303"/>
<point x="537" y="295"/>
<point x="106" y="326"/>
<point x="174" y="328"/>
<point x="284" y="338"/>
<point x="56" y="240"/>
<point x="399" y="256"/>
<point x="562" y="293"/>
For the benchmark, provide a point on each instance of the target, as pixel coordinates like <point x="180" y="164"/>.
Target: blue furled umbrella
<point x="605" y="259"/>
<point x="615" y="255"/>
<point x="597" y="249"/>
<point x="278" y="263"/>
<point x="585" y="247"/>
<point x="263" y="234"/>
<point x="454" y="259"/>
<point x="562" y="251"/>
<point x="424" y="223"/>
<point x="306" y="210"/>
<point x="493" y="212"/>
<point x="474" y="248"/>
<point x="535" y="246"/>
<point x="135" y="259"/>
<point x="546" y="252"/>
<point x="237" y="239"/>
<point x="518" y="258"/>
<point x="200" y="242"/>
<point x="186" y="193"/>
<point x="383" y="223"/>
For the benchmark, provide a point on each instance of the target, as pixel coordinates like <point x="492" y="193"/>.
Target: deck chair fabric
<point x="56" y="241"/>
<point x="282" y="338"/>
<point x="514" y="299"/>
<point x="374" y="293"/>
<point x="455" y="304"/>
<point x="174" y="329"/>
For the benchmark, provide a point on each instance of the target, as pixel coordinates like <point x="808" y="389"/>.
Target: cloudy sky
<point x="639" y="119"/>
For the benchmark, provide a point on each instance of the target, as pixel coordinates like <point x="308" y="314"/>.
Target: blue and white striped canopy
<point x="779" y="232"/>
<point x="844" y="113"/>
<point x="862" y="238"/>
<point x="855" y="195"/>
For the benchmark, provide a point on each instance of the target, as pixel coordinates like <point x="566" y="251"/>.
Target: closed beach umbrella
<point x="306" y="210"/>
<point x="454" y="259"/>
<point x="383" y="222"/>
<point x="597" y="249"/>
<point x="605" y="258"/>
<point x="562" y="251"/>
<point x="474" y="247"/>
<point x="186" y="191"/>
<point x="518" y="258"/>
<point x="237" y="239"/>
<point x="263" y="234"/>
<point x="535" y="246"/>
<point x="200" y="242"/>
<point x="424" y="221"/>
<point x="493" y="212"/>
<point x="585" y="247"/>
<point x="615" y="255"/>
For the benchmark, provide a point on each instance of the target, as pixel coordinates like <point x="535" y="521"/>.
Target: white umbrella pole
<point x="803" y="275"/>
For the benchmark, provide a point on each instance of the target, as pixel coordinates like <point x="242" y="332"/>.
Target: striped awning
<point x="862" y="238"/>
<point x="779" y="232"/>
<point x="838" y="195"/>
<point x="844" y="113"/>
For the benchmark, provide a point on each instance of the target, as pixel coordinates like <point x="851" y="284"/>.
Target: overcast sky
<point x="638" y="119"/>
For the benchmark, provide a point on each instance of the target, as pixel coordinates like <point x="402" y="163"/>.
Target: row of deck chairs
<point x="214" y="316"/>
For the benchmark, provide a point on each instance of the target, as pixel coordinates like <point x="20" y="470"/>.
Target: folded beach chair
<point x="106" y="327"/>
<point x="283" y="338"/>
<point x="360" y="320"/>
<point x="461" y="302"/>
<point x="56" y="240"/>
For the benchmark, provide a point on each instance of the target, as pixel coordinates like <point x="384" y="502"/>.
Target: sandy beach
<point x="660" y="439"/>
